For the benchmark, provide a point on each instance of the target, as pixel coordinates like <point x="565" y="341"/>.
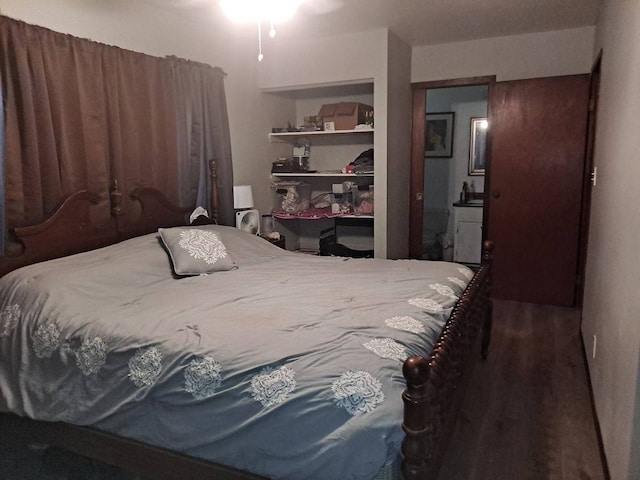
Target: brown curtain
<point x="2" y="163"/>
<point x="80" y="114"/>
<point x="140" y="134"/>
<point x="55" y="120"/>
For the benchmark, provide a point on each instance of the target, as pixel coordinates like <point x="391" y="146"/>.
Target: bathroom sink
<point x="476" y="202"/>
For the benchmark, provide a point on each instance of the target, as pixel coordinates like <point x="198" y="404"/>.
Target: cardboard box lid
<point x="346" y="108"/>
<point x="328" y="110"/>
<point x="342" y="109"/>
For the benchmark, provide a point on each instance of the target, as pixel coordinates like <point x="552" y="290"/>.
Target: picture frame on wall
<point x="438" y="140"/>
<point x="478" y="145"/>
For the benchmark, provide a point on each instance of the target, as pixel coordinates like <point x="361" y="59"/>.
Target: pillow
<point x="195" y="251"/>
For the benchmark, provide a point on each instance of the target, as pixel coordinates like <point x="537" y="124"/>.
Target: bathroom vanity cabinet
<point x="467" y="244"/>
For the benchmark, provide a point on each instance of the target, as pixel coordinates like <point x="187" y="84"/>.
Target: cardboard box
<point x="344" y="115"/>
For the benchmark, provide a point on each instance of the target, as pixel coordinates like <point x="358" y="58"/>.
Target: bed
<point x="267" y="364"/>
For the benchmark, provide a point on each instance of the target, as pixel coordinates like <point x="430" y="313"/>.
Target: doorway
<point x="535" y="166"/>
<point x="445" y="111"/>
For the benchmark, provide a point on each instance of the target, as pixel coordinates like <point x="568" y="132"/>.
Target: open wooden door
<point x="538" y="131"/>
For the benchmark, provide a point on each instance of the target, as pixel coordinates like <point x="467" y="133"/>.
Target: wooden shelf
<point x="316" y="214"/>
<point x="292" y="136"/>
<point x="320" y="174"/>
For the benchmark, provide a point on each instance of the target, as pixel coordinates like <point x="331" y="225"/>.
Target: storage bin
<point x="344" y="115"/>
<point x="290" y="196"/>
<point x="343" y="198"/>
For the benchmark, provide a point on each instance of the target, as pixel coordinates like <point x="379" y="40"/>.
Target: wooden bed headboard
<point x="70" y="228"/>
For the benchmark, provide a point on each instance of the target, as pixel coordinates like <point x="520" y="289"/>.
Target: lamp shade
<point x="242" y="197"/>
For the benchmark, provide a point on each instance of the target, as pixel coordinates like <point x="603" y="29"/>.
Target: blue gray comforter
<point x="288" y="366"/>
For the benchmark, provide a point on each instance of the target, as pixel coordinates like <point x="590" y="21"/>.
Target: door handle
<point x="419" y="196"/>
<point x="496" y="194"/>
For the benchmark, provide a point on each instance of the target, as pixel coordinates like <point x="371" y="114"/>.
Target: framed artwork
<point x="439" y="135"/>
<point x="477" y="145"/>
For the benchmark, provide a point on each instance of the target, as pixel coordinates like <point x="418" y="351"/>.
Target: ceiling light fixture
<point x="259" y="11"/>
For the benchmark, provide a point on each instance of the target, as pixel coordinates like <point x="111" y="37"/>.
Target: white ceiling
<point x="418" y="22"/>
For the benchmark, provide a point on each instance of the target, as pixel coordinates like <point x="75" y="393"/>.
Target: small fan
<point x="248" y="221"/>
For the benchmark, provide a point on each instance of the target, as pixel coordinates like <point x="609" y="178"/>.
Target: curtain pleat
<point x="141" y="122"/>
<point x="80" y="114"/>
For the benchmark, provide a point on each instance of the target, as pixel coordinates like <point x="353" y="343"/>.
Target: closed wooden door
<point x="538" y="131"/>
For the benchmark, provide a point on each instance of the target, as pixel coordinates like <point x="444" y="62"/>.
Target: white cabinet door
<point x="468" y="242"/>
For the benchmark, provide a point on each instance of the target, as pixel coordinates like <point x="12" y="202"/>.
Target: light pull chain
<point x="260" y="56"/>
<point x="272" y="33"/>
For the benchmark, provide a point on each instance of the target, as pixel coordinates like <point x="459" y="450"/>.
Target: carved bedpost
<point x="116" y="199"/>
<point x="213" y="176"/>
<point x="416" y="424"/>
<point x="487" y="259"/>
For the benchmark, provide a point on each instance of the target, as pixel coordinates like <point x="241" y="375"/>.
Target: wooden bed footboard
<point x="434" y="384"/>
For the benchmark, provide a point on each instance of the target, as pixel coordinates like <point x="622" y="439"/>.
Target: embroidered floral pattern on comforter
<point x="283" y="356"/>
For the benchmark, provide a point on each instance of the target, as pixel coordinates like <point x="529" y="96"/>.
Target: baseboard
<point x="596" y="420"/>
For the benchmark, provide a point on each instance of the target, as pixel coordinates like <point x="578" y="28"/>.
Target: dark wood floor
<point x="527" y="414"/>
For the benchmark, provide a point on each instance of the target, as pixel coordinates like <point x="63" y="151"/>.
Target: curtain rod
<point x="194" y="62"/>
<point x="4" y="18"/>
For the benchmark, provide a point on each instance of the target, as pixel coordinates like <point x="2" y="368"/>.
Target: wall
<point x="349" y="58"/>
<point x="546" y="54"/>
<point x="398" y="147"/>
<point x="611" y="302"/>
<point x="465" y="111"/>
<point x="466" y="102"/>
<point x="148" y="29"/>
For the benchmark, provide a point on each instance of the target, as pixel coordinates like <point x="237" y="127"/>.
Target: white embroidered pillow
<point x="195" y="251"/>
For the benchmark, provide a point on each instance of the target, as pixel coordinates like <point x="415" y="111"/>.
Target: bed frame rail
<point x="130" y="455"/>
<point x="434" y="383"/>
